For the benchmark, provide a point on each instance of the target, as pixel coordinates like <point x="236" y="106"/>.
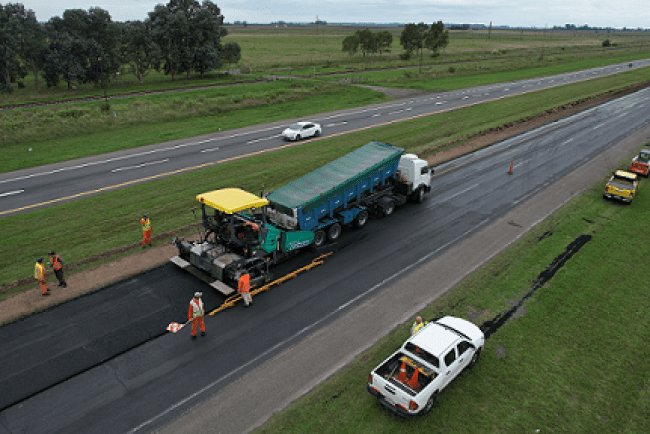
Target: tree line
<point x="181" y="37"/>
<point x="414" y="38"/>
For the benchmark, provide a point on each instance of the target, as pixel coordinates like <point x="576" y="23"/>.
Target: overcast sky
<point x="548" y="13"/>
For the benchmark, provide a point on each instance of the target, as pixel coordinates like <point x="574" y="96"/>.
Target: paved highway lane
<point x="158" y="380"/>
<point x="28" y="189"/>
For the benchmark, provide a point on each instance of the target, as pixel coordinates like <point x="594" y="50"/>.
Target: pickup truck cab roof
<point x="626" y="176"/>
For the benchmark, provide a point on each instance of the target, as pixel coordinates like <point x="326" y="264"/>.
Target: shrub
<point x="606" y="43"/>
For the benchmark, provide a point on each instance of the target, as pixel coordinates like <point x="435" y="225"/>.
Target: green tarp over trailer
<point x="335" y="177"/>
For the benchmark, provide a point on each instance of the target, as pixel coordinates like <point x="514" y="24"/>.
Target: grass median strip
<point x="61" y="133"/>
<point x="573" y="358"/>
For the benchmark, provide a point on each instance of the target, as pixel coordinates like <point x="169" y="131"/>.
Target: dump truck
<point x="248" y="234"/>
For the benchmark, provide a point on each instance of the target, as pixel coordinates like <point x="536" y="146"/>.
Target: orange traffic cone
<point x="511" y="164"/>
<point x="402" y="373"/>
<point x="413" y="382"/>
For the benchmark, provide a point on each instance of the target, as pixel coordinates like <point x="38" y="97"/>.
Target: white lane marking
<point x="137" y="154"/>
<point x="210" y="150"/>
<point x="395" y="113"/>
<point x="336" y="124"/>
<point x="460" y="192"/>
<point x="254" y="361"/>
<point x="9" y="193"/>
<point x="138" y="166"/>
<point x="263" y="139"/>
<point x="376" y="114"/>
<point x="567" y="141"/>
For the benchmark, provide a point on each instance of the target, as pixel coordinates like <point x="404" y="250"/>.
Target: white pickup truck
<point x="409" y="380"/>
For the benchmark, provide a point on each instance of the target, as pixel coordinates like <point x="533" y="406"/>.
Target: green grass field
<point x="574" y="360"/>
<point x="267" y="50"/>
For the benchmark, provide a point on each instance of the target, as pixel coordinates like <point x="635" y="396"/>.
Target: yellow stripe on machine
<point x="231" y="200"/>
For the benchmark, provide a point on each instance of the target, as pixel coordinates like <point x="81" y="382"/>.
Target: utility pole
<point x="101" y="76"/>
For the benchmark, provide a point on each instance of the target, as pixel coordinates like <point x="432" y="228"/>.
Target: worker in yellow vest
<point x="146" y="230"/>
<point x="417" y="325"/>
<point x="196" y="314"/>
<point x="57" y="265"/>
<point x="39" y="274"/>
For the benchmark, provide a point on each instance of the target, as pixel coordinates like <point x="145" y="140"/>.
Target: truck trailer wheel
<point x="388" y="206"/>
<point x="334" y="232"/>
<point x="361" y="219"/>
<point x="319" y="238"/>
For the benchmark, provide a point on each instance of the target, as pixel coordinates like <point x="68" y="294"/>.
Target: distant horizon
<point x="623" y="14"/>
<point x="398" y="24"/>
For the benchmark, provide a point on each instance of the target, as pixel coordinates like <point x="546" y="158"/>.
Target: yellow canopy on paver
<point x="231" y="200"/>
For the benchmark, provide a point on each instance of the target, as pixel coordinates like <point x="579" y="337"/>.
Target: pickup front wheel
<point x="475" y="357"/>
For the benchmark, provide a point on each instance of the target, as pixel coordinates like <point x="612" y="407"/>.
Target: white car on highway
<point x="409" y="380"/>
<point x="301" y="130"/>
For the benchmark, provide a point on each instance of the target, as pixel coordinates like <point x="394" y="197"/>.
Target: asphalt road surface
<point x="103" y="363"/>
<point x="43" y="186"/>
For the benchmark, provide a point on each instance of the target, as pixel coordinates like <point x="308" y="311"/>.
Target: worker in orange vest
<point x="146" y="230"/>
<point x="196" y="313"/>
<point x="244" y="288"/>
<point x="39" y="274"/>
<point x="57" y="266"/>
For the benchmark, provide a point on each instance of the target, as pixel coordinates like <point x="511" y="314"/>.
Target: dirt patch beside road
<point x="31" y="301"/>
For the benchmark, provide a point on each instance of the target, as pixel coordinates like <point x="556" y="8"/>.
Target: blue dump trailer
<point x="248" y="234"/>
<point x="371" y="180"/>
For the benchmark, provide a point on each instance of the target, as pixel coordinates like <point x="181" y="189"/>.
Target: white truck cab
<point x="414" y="169"/>
<point x="416" y="173"/>
<point x="409" y="380"/>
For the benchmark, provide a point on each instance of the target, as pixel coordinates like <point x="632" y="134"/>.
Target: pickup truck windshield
<point x="424" y="355"/>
